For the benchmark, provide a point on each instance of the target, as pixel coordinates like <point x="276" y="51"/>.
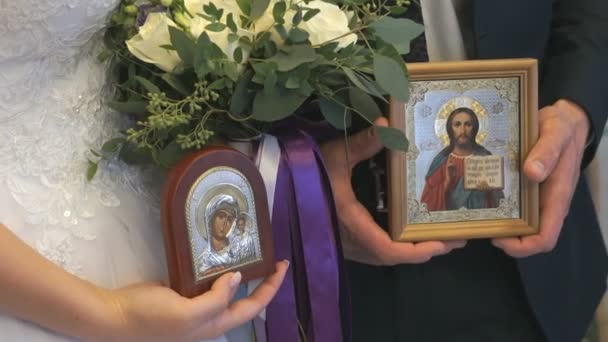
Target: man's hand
<point x="363" y="240"/>
<point x="554" y="162"/>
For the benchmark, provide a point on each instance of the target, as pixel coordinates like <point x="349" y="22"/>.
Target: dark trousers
<point x="471" y="294"/>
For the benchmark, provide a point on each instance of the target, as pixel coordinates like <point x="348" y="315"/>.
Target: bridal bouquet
<point x="191" y="71"/>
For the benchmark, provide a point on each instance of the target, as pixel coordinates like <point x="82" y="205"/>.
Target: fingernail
<point x="235" y="280"/>
<point x="286" y="262"/>
<point x="540" y="168"/>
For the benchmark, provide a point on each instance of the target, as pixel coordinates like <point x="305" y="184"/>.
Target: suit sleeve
<point x="576" y="65"/>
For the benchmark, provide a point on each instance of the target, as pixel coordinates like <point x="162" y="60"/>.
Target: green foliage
<point x="264" y="76"/>
<point x="392" y="138"/>
<point x="398" y="32"/>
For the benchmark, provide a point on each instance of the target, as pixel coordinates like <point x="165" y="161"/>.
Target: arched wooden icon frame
<point x="180" y="180"/>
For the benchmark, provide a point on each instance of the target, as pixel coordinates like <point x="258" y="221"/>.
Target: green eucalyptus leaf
<point x="364" y="104"/>
<point x="270" y="81"/>
<point x="149" y="86"/>
<point x="113" y="145"/>
<point x="262" y="38"/>
<point x="305" y="89"/>
<point x="230" y="69"/>
<point x="217" y="84"/>
<point x="242" y="98"/>
<point x="245" y="21"/>
<point x="270" y="49"/>
<point x="280" y="28"/>
<point x="336" y="114"/>
<point x="311" y="13"/>
<point x="328" y="50"/>
<point x="397" y="10"/>
<point x="130" y="107"/>
<point x="392" y="138"/>
<point x="233" y="37"/>
<point x="263" y="68"/>
<point x="397" y="31"/>
<point x="276" y="103"/>
<point x="278" y="11"/>
<point x="258" y="7"/>
<point x="207" y="8"/>
<point x="184" y="46"/>
<point x="91" y="170"/>
<point x="215" y="27"/>
<point x="207" y="56"/>
<point x="176" y="84"/>
<point x="244" y="6"/>
<point x="334" y="79"/>
<point x="296" y="55"/>
<point x="230" y="23"/>
<point x="131" y="154"/>
<point x="170" y="155"/>
<point x="297" y="19"/>
<point x="245" y="43"/>
<point x="238" y="55"/>
<point x="364" y="84"/>
<point x="297" y="35"/>
<point x="390" y="76"/>
<point x="206" y="17"/>
<point x="292" y="82"/>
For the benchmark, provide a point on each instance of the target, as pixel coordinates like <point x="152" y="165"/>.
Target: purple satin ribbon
<point x="305" y="232"/>
<point x="281" y="316"/>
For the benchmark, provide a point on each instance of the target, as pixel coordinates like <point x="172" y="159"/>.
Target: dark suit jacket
<point x="563" y="287"/>
<point x="570" y="39"/>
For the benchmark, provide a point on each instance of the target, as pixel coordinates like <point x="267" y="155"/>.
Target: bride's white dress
<point x="51" y="113"/>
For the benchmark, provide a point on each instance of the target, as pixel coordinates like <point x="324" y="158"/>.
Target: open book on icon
<point x="484" y="173"/>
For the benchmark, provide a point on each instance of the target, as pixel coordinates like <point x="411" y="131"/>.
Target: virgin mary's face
<point x="222" y="221"/>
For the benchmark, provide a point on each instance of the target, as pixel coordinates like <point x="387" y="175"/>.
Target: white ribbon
<point x="268" y="159"/>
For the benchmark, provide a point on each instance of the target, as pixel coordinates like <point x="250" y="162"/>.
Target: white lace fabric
<point x="51" y="114"/>
<point x="52" y="95"/>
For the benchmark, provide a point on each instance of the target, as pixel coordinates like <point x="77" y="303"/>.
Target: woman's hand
<point x="152" y="312"/>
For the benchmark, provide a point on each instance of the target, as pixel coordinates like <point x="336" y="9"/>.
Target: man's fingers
<point x="546" y="152"/>
<point x="377" y="245"/>
<point x="423" y="251"/>
<point x="555" y="197"/>
<point x="365" y="144"/>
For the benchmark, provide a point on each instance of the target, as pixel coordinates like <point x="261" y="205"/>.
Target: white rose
<point x="329" y="24"/>
<point x="146" y="45"/>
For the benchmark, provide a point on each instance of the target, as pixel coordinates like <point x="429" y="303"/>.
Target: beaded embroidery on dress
<point x="51" y="114"/>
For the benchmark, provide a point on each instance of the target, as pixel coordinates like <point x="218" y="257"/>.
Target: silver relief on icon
<point x="222" y="224"/>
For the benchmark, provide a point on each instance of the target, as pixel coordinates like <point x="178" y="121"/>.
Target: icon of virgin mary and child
<point x="230" y="242"/>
